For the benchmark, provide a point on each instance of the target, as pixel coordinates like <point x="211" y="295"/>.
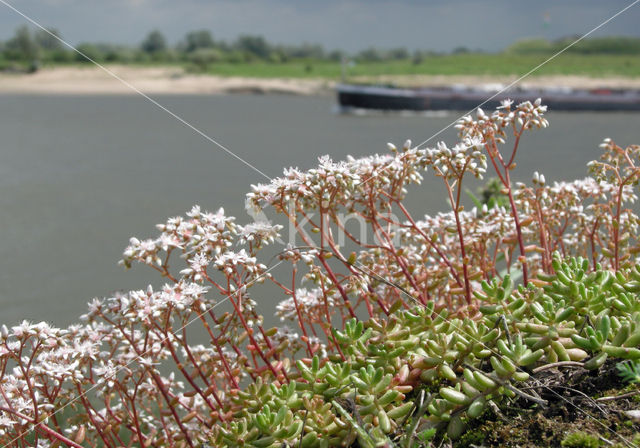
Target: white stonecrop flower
<point x="259" y="232"/>
<point x="311" y="302"/>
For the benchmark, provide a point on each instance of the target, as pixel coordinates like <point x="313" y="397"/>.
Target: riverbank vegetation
<point x="253" y="56"/>
<point x="499" y="325"/>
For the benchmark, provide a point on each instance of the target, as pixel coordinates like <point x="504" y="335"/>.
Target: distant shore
<point x="174" y="80"/>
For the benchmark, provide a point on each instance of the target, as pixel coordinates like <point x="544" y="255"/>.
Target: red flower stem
<point x="506" y="181"/>
<point x="432" y="244"/>
<point x="166" y="397"/>
<point x="267" y="340"/>
<point x="592" y="238"/>
<point x="368" y="304"/>
<point x="546" y="254"/>
<point x="516" y="219"/>
<point x="156" y="379"/>
<point x="136" y="420"/>
<point x="379" y="302"/>
<point x="197" y="366"/>
<point x="349" y="235"/>
<point x="240" y="355"/>
<point x="515" y="146"/>
<point x="341" y="257"/>
<point x="116" y="419"/>
<point x="219" y="350"/>
<point x="272" y="350"/>
<point x="51" y="397"/>
<point x="493" y="162"/>
<point x="6" y="400"/>
<point x="52" y="434"/>
<point x="167" y="432"/>
<point x="382" y="235"/>
<point x="330" y="335"/>
<point x="250" y="334"/>
<point x="167" y="343"/>
<point x="163" y="272"/>
<point x="286" y="290"/>
<point x="298" y="313"/>
<point x="455" y="206"/>
<point x="330" y="273"/>
<point x="616" y="226"/>
<point x="337" y="284"/>
<point x="25" y="372"/>
<point x="89" y="414"/>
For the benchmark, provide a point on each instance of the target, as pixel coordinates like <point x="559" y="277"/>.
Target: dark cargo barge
<point x="351" y="96"/>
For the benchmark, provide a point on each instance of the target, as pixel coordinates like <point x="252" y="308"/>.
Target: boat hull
<point x="395" y="99"/>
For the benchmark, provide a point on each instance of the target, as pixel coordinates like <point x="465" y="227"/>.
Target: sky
<point x="350" y="25"/>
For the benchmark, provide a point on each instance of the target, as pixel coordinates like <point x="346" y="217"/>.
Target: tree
<point x="398" y="54"/>
<point x="530" y="46"/>
<point x="304" y="51"/>
<point x="336" y="55"/>
<point x="460" y="50"/>
<point x="198" y="39"/>
<point x="22" y="46"/>
<point x="48" y="40"/>
<point x="203" y="57"/>
<point x="154" y="43"/>
<point x="254" y="45"/>
<point x="370" y="55"/>
<point x="90" y="50"/>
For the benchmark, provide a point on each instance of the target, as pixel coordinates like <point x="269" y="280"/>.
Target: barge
<point x="389" y="98"/>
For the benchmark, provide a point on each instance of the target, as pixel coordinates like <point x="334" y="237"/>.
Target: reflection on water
<point x="80" y="175"/>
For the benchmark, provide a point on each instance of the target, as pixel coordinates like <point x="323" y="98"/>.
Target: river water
<point x="79" y="175"/>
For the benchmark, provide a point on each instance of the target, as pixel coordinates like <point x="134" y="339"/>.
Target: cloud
<point x="348" y="24"/>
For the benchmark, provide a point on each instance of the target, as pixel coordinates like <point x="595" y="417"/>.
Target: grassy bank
<point x="502" y="64"/>
<point x="455" y="64"/>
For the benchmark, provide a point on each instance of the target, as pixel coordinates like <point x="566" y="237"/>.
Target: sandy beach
<point x="174" y="80"/>
<point x="150" y="80"/>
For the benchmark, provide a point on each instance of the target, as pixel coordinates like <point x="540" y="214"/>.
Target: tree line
<point x="200" y="49"/>
<point x="197" y="47"/>
<point x="600" y="45"/>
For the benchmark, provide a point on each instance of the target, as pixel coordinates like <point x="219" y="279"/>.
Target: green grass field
<point x="459" y="64"/>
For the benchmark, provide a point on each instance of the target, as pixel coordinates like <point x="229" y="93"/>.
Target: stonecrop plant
<point x="405" y="326"/>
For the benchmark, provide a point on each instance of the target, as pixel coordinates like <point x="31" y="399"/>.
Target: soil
<point x="572" y="407"/>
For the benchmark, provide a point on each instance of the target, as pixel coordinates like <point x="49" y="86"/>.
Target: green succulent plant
<point x="629" y="371"/>
<point x="423" y="372"/>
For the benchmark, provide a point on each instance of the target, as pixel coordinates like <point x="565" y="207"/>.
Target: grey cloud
<point x="348" y="24"/>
